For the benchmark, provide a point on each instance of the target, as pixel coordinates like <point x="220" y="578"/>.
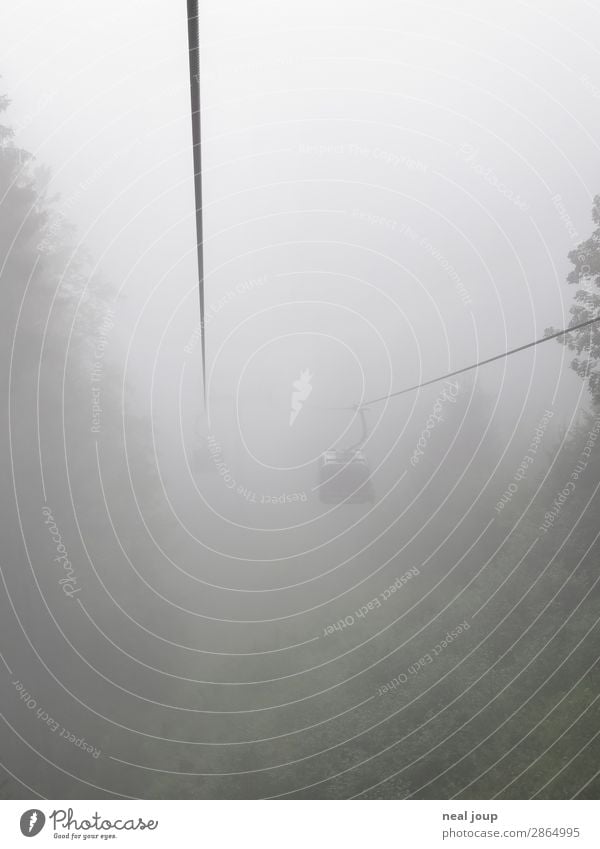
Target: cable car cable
<point x="194" y="60"/>
<point x="478" y="364"/>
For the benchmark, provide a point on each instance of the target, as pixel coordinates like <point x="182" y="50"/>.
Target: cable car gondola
<point x="344" y="476"/>
<point x="344" y="473"/>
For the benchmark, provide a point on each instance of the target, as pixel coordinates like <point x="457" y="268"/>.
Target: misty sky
<point x="388" y="173"/>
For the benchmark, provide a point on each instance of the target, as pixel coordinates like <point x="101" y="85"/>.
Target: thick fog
<point x="391" y="191"/>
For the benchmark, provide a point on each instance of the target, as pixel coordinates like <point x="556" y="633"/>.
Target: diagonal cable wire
<point x="480" y="363"/>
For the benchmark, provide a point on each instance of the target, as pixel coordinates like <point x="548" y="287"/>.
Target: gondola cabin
<point x="344" y="476"/>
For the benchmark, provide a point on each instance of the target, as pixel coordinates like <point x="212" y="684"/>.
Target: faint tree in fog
<point x="586" y="275"/>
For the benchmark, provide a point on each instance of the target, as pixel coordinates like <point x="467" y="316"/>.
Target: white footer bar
<point x="301" y="824"/>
